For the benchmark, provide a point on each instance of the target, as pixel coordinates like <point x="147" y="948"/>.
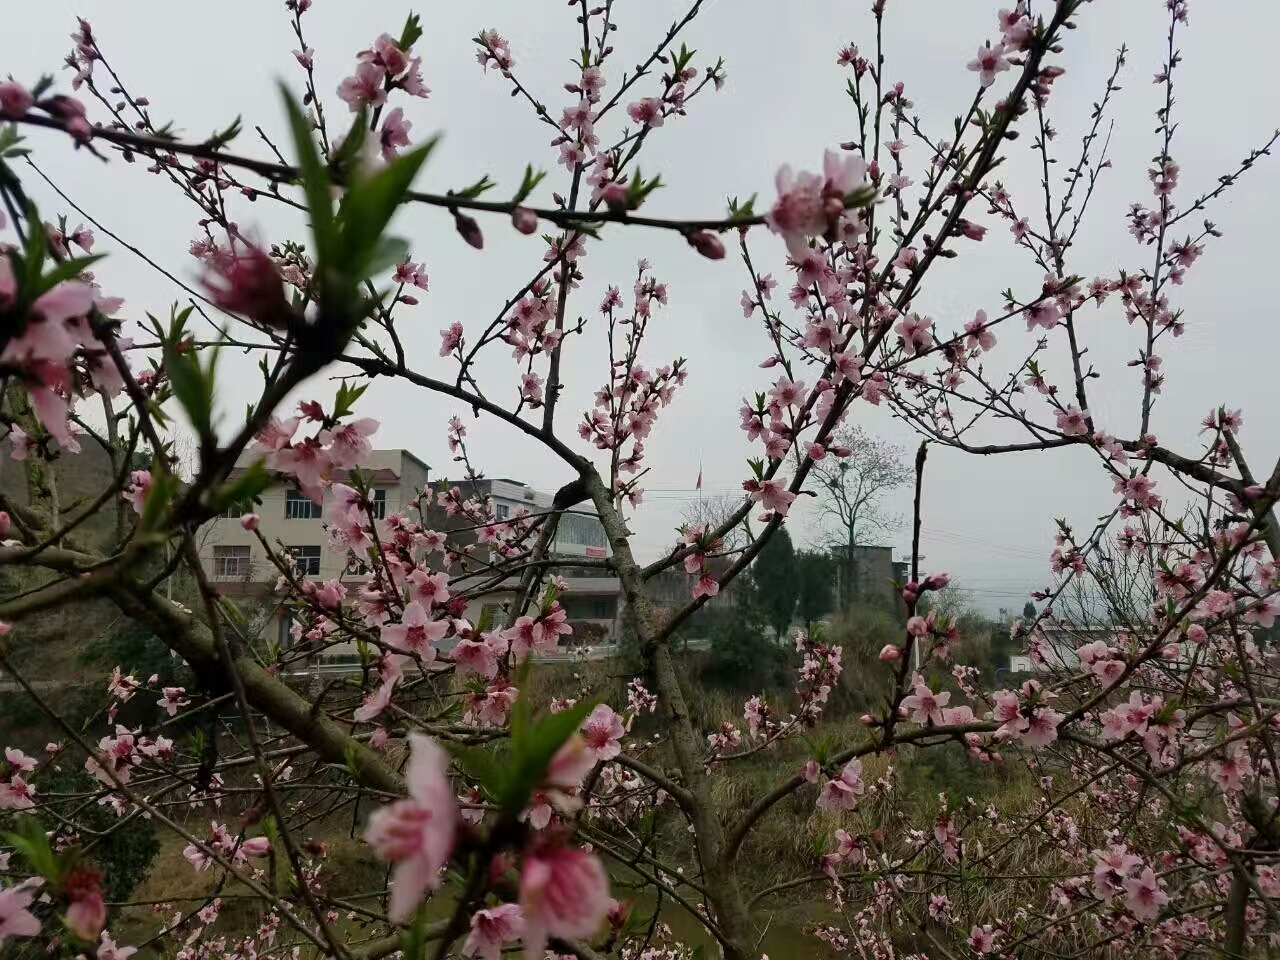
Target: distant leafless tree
<point x="713" y="511"/>
<point x="852" y="490"/>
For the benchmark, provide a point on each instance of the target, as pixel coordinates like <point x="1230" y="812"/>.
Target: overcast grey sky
<point x="987" y="521"/>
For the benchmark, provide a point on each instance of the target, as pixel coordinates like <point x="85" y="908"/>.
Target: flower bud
<point x="707" y="244"/>
<point x="469" y="229"/>
<point x="524" y="220"/>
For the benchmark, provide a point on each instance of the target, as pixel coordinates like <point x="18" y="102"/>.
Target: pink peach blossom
<point x="564" y="892"/>
<point x="417" y="833"/>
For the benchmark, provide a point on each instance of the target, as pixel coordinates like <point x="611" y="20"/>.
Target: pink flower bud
<point x="469" y="229"/>
<point x="524" y="220"/>
<point x="256" y="847"/>
<point x="889" y="653"/>
<point x="867" y="720"/>
<point x="5" y="523"/>
<point x="249" y="284"/>
<point x="937" y="581"/>
<point x="615" y="196"/>
<point x="707" y="244"/>
<point x="249" y="521"/>
<point x="15" y="100"/>
<point x="87" y="914"/>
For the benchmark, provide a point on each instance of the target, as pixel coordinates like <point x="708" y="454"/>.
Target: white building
<point x="591" y="600"/>
<point x="234" y="559"/>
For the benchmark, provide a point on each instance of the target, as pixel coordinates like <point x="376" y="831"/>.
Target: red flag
<point x="698" y="485"/>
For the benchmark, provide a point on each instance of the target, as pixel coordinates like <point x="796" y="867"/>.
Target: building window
<point x="582" y="529"/>
<point x="306" y="561"/>
<point x="380" y="503"/>
<point x="231" y="563"/>
<point x="502" y="511"/>
<point x="232" y="512"/>
<point x="590" y="608"/>
<point x="285" y="630"/>
<point x="579" y="573"/>
<point x="298" y="506"/>
<point x="491" y="615"/>
<point x="356" y="566"/>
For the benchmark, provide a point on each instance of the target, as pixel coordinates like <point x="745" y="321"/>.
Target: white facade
<point x="232" y="555"/>
<point x="234" y="558"/>
<point x="579" y="534"/>
<point x="591" y="600"/>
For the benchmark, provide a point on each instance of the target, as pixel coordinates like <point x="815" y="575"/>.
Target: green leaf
<point x="532" y="752"/>
<point x="346" y="399"/>
<point x="33" y="844"/>
<point x="531" y="180"/>
<point x="315" y="181"/>
<point x="190" y="387"/>
<point x="351" y="755"/>
<point x="369" y="206"/>
<point x="9" y="142"/>
<point x="411" y="33"/>
<point x="353" y="142"/>
<point x="481" y="765"/>
<point x="413" y="942"/>
<point x="232" y="612"/>
<point x="241" y="491"/>
<point x="476" y="189"/>
<point x="163" y="487"/>
<point x="223" y="137"/>
<point x="388" y="252"/>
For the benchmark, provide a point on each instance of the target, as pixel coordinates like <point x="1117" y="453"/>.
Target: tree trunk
<point x="719" y="873"/>
<point x="849" y="568"/>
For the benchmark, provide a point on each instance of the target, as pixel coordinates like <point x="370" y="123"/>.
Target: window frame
<point x="298" y="506"/>
<point x="229" y="555"/>
<point x="296" y="553"/>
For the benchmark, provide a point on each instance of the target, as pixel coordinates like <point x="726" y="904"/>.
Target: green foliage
<point x="530" y="181"/>
<point x="533" y="745"/>
<point x="346" y="399"/>
<point x="862" y="630"/>
<point x="350" y="243"/>
<point x="242" y="491"/>
<point x="817" y="575"/>
<point x="138" y="651"/>
<point x="123" y="849"/>
<point x="777" y="578"/>
<point x="193" y="384"/>
<point x="411" y="33"/>
<point x="743" y="659"/>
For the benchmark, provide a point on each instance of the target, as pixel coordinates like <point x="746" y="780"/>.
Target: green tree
<point x="743" y="659"/>
<point x="817" y="573"/>
<point x="777" y="579"/>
